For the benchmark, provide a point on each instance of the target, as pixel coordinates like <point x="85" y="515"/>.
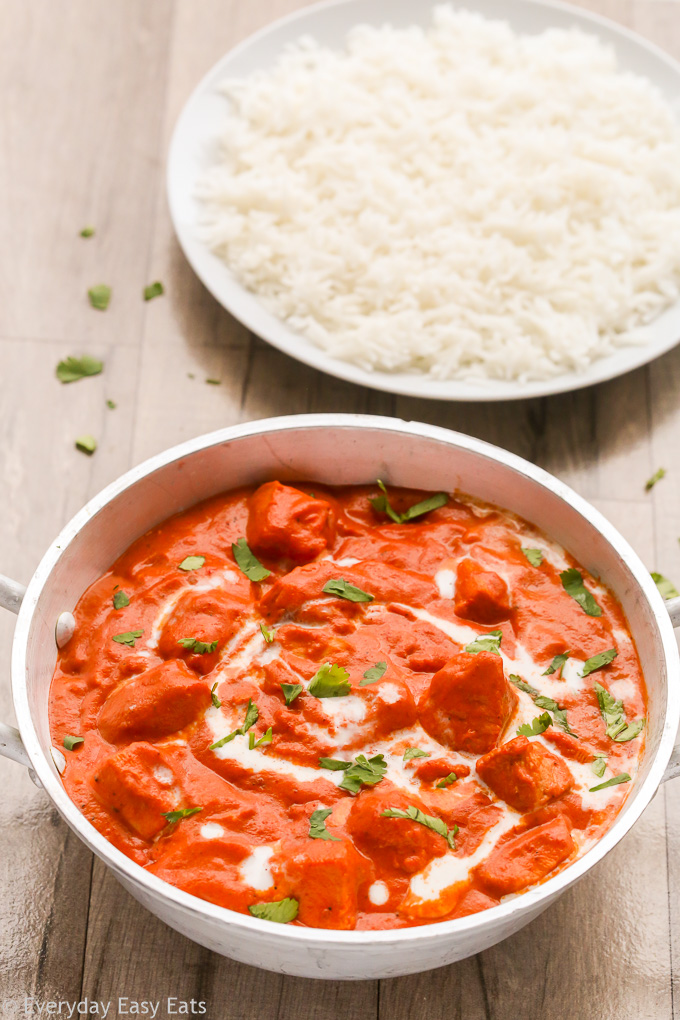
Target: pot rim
<point x="156" y="888"/>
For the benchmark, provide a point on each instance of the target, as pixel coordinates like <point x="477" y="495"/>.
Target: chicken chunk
<point x="525" y="859"/>
<point x="154" y="704"/>
<point x="481" y="595"/>
<point x="468" y="703"/>
<point x="284" y="521"/>
<point x="137" y="786"/>
<point x="524" y="774"/>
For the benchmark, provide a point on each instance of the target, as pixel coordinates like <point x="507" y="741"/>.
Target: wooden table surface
<point x="90" y="91"/>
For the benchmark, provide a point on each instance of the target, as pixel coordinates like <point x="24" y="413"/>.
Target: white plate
<point x="202" y="120"/>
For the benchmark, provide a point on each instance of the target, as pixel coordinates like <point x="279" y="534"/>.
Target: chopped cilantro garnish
<point x="70" y="741"/>
<point x="99" y="296"/>
<point x="128" y="638"/>
<point x="317" y="825"/>
<point x="252" y="715"/>
<point x="614" y="716"/>
<point x="342" y="590"/>
<point x="486" y="643"/>
<point x="268" y="635"/>
<point x="373" y="674"/>
<point x="120" y="599"/>
<point x="330" y="682"/>
<point x="247" y="562"/>
<point x="71" y="369"/>
<point x="86" y="444"/>
<point x="281" y="911"/>
<point x="414" y="814"/>
<point x="666" y="587"/>
<point x="363" y="771"/>
<point x="266" y="738"/>
<point x="542" y="701"/>
<point x="192" y="644"/>
<point x="291" y="691"/>
<point x="622" y="777"/>
<point x="382" y="505"/>
<point x="192" y="563"/>
<point x="176" y="816"/>
<point x="446" y="781"/>
<point x="536" y="726"/>
<point x="215" y="700"/>
<point x="154" y="289"/>
<point x="572" y="582"/>
<point x="535" y="556"/>
<point x="415" y="752"/>
<point x="87" y="232"/>
<point x="656" y="477"/>
<point x="557" y="664"/>
<point x="599" y="765"/>
<point x="598" y="661"/>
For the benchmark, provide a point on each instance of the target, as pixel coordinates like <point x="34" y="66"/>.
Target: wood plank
<point x="82" y="111"/>
<point x="45" y="869"/>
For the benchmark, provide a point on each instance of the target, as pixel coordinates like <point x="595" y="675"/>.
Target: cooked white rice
<point x="462" y="201"/>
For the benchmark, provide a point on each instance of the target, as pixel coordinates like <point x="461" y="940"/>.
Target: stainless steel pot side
<point x="337" y="450"/>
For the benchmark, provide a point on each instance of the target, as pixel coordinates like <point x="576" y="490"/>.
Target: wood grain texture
<point x="91" y="91"/>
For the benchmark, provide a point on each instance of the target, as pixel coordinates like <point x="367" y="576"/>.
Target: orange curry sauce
<point x="450" y="810"/>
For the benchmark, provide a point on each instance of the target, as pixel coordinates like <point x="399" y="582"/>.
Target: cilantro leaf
<point x="363" y="771"/>
<point x="441" y="784"/>
<point x="252" y="715"/>
<point x="120" y="599"/>
<point x="247" y="562"/>
<point x="86" y="444"/>
<point x="535" y="556"/>
<point x="71" y="369"/>
<point x="192" y="644"/>
<point x="598" y="661"/>
<point x="382" y="505"/>
<point x="128" y="638"/>
<point x="373" y="674"/>
<point x="317" y="825"/>
<point x="291" y="691"/>
<point x="666" y="587"/>
<point x="557" y="664"/>
<point x="87" y="232"/>
<point x="622" y="777"/>
<point x="414" y="814"/>
<point x="541" y="701"/>
<point x="281" y="911"/>
<point x="215" y="700"/>
<point x="266" y="738"/>
<point x="154" y="289"/>
<point x="214" y="382"/>
<point x="415" y="752"/>
<point x="99" y="296"/>
<point x="612" y="712"/>
<point x="268" y="635"/>
<point x="330" y="682"/>
<point x="656" y="477"/>
<point x="111" y="404"/>
<point x="342" y="590"/>
<point x="334" y="764"/>
<point x="486" y="643"/>
<point x="599" y="765"/>
<point x="536" y="726"/>
<point x="70" y="741"/>
<point x="572" y="582"/>
<point x="192" y="563"/>
<point x="176" y="816"/>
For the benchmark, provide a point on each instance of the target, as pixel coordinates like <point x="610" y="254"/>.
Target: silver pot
<point x="337" y="450"/>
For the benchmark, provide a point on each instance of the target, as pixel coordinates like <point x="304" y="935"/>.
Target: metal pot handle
<point x="11" y="596"/>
